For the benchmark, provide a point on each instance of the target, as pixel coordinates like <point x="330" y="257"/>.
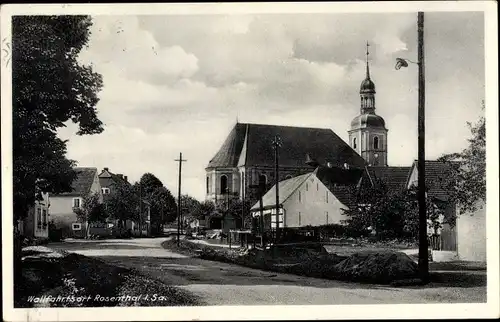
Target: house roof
<point x="393" y="178"/>
<point x="341" y="182"/>
<point x="286" y="189"/>
<point x="438" y="177"/>
<point x="83" y="181"/>
<point x="322" y="145"/>
<point x="106" y="174"/>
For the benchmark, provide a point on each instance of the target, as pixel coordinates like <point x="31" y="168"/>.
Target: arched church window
<point x="208" y="185"/>
<point x="223" y="184"/>
<point x="354" y="143"/>
<point x="375" y="142"/>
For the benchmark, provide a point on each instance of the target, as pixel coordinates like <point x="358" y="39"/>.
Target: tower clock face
<point x="376" y="155"/>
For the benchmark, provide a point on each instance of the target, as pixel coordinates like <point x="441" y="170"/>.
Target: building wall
<point x="96" y="187"/>
<point x="61" y="210"/>
<point x="364" y="144"/>
<point x="36" y="222"/>
<point x="316" y="206"/>
<point x="471" y="235"/>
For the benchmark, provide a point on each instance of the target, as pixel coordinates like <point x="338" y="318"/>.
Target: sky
<point x="179" y="83"/>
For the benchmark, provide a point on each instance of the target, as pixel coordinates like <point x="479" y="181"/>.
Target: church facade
<point x="246" y="158"/>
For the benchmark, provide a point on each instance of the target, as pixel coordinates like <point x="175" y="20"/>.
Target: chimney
<point x="125" y="178"/>
<point x="106" y="169"/>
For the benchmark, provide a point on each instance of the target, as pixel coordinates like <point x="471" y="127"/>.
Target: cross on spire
<point x="367" y="65"/>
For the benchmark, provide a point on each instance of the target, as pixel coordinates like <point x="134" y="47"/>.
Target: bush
<point x="55" y="234"/>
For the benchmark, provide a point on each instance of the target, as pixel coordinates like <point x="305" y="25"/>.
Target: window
<point x="317" y="186"/>
<point x="44" y="217"/>
<point x="326" y="196"/>
<point x="307" y="187"/>
<point x="375" y="142"/>
<point x="300" y="197"/>
<point x="76" y="202"/>
<point x="326" y="212"/>
<point x="299" y="218"/>
<point x="39" y="217"/>
<point x="223" y="184"/>
<point x="354" y="143"/>
<point x="263" y="180"/>
<point x="105" y="191"/>
<point x="76" y="226"/>
<point x="208" y="185"/>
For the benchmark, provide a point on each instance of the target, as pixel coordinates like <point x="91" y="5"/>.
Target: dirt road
<point x="226" y="284"/>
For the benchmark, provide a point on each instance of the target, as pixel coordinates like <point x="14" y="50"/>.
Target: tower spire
<point x="367" y="65"/>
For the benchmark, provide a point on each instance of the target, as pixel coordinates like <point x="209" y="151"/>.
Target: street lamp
<point x="423" y="259"/>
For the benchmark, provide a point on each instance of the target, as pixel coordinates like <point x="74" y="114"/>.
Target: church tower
<point x="368" y="135"/>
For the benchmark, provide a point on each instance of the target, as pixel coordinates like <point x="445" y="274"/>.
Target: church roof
<point x="368" y="120"/>
<point x="322" y="145"/>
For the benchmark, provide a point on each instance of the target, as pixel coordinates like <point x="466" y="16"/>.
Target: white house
<point x="36" y="222"/>
<point x="312" y="199"/>
<point x="62" y="205"/>
<point x="466" y="238"/>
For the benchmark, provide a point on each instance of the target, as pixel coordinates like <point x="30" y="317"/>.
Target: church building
<point x="246" y="158"/>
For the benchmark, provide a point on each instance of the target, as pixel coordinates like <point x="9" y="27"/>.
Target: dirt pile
<point x="380" y="267"/>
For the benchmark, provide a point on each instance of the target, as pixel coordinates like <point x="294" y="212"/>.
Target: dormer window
<point x="105" y="191"/>
<point x="354" y="143"/>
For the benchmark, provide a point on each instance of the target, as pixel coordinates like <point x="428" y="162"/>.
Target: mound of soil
<point x="381" y="267"/>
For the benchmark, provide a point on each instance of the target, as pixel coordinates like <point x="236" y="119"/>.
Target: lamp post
<point x="423" y="259"/>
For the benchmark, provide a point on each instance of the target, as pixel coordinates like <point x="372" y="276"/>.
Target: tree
<point x="92" y="211"/>
<point x="389" y="214"/>
<point x="163" y="206"/>
<point x="49" y="88"/>
<point x="468" y="186"/>
<point x="190" y="208"/>
<point x="237" y="208"/>
<point x="205" y="209"/>
<point x="122" y="204"/>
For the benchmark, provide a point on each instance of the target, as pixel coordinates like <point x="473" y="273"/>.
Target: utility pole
<point x="140" y="208"/>
<point x="423" y="251"/>
<point x="423" y="256"/>
<point x="277" y="144"/>
<point x="179" y="211"/>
